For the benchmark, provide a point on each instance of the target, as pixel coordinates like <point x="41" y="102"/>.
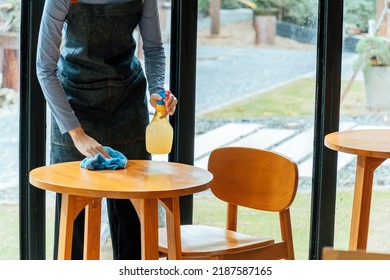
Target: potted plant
<point x="374" y="60"/>
<point x="265" y="16"/>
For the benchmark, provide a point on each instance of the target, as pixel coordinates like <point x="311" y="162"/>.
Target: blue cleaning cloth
<point x="117" y="161"/>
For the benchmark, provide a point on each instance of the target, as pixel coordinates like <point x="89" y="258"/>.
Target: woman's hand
<point x="169" y="100"/>
<point x="86" y="145"/>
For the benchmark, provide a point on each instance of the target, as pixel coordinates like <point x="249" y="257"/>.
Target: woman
<point x="96" y="90"/>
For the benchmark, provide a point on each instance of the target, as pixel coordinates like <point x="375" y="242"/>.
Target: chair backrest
<point x="254" y="178"/>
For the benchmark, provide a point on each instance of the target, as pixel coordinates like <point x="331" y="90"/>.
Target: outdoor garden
<point x="281" y="106"/>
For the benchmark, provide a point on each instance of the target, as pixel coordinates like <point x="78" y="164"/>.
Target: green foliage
<point x="264" y="3"/>
<point x="203" y="5"/>
<point x="358" y="12"/>
<point x="304" y="12"/>
<point x="9" y="16"/>
<point x="301" y="12"/>
<point x="373" y="51"/>
<point x="265" y="8"/>
<point x="230" y="4"/>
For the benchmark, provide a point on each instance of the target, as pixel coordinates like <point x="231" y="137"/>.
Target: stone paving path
<point x="298" y="145"/>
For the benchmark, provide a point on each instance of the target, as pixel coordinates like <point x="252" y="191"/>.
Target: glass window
<point x="256" y="67"/>
<point x="364" y="105"/>
<point x="9" y="127"/>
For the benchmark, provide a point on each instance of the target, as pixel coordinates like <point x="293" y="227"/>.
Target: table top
<point x="364" y="142"/>
<point x="140" y="179"/>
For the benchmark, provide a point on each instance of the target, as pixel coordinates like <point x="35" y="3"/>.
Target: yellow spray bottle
<point x="159" y="132"/>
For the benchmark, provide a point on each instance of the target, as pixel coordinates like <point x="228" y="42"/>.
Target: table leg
<point x="362" y="201"/>
<point x="147" y="211"/>
<point x="71" y="206"/>
<point x="93" y="214"/>
<point x="172" y="207"/>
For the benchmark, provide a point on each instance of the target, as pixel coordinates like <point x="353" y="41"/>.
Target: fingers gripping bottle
<point x="159" y="132"/>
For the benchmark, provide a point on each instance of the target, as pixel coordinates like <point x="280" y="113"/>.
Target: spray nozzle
<point x="164" y="94"/>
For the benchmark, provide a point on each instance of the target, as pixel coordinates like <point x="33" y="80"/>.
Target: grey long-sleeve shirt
<point x="48" y="54"/>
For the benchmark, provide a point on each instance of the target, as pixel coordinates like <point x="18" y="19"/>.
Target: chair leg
<point x="285" y="227"/>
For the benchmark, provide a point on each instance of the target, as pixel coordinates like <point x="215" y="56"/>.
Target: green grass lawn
<point x="267" y="224"/>
<point x="294" y="99"/>
<point x="9" y="231"/>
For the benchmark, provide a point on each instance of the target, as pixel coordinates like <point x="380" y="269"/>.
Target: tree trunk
<point x="215" y="8"/>
<point x="11" y="69"/>
<point x="9" y="60"/>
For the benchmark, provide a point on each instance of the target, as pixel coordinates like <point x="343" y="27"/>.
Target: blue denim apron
<point x="106" y="87"/>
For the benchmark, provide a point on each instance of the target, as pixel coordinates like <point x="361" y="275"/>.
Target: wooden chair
<point x="253" y="178"/>
<point x="329" y="253"/>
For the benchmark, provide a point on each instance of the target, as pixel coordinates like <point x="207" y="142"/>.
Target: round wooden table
<point x="144" y="182"/>
<point x="372" y="147"/>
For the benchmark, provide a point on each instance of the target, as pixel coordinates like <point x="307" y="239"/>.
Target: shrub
<point x="9" y="16"/>
<point x="373" y="51"/>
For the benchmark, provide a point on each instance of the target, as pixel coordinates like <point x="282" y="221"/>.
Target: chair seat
<point x="219" y="241"/>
